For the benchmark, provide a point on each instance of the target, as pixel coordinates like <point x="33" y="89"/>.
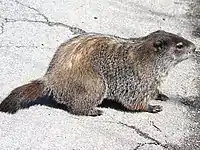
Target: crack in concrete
<point x="23" y="46"/>
<point x="2" y="28"/>
<point x="34" y="9"/>
<point x="145" y="135"/>
<point x="153" y="124"/>
<point x="74" y="30"/>
<point x="143" y="144"/>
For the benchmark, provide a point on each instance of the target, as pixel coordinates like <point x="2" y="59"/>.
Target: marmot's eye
<point x="179" y="45"/>
<point x="158" y="43"/>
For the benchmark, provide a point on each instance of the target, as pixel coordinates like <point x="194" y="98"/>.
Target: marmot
<point x="91" y="67"/>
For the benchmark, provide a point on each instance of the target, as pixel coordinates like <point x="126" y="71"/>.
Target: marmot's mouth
<point x="186" y="56"/>
<point x="190" y="55"/>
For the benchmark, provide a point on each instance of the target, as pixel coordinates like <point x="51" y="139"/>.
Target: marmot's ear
<point x="158" y="45"/>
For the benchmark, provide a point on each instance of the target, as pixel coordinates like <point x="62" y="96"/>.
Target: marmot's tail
<point x="21" y="96"/>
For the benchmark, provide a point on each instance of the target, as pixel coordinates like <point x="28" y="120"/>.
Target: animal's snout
<point x="193" y="48"/>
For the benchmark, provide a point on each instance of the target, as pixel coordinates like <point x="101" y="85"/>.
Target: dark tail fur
<point x="21" y="97"/>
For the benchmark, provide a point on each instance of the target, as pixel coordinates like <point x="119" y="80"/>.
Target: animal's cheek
<point x="179" y="53"/>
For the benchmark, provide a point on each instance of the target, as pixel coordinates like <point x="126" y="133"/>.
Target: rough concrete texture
<point x="30" y="32"/>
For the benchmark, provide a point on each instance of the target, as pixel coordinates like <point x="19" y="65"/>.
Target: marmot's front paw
<point x="95" y="112"/>
<point x="154" y="108"/>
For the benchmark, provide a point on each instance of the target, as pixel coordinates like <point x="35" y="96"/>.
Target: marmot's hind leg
<point x="86" y="106"/>
<point x="90" y="112"/>
<point x="144" y="107"/>
<point x="85" y="97"/>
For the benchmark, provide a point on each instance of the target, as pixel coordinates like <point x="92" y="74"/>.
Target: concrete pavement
<point x="30" y="32"/>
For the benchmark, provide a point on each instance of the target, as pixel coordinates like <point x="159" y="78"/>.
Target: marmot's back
<point x="79" y="47"/>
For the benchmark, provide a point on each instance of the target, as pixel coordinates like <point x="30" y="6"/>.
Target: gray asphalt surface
<point x="31" y="31"/>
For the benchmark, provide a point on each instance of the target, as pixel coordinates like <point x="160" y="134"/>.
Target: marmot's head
<point x="171" y="45"/>
<point x="164" y="50"/>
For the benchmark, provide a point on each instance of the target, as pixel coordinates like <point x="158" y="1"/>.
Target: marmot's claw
<point x="154" y="108"/>
<point x="95" y="112"/>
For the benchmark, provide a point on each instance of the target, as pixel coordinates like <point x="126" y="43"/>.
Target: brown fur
<point x="91" y="67"/>
<point x="20" y="97"/>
